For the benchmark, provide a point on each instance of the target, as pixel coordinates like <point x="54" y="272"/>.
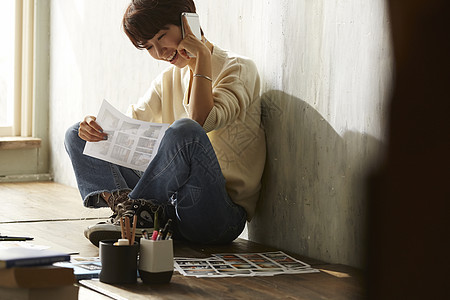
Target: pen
<point x="154" y="235"/>
<point x="169" y="235"/>
<point x="160" y="233"/>
<point x="166" y="229"/>
<point x="156" y="221"/>
<point x="14" y="238"/>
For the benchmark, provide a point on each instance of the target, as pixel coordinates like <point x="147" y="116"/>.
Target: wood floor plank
<point x="43" y="201"/>
<point x="301" y="286"/>
<point x="64" y="236"/>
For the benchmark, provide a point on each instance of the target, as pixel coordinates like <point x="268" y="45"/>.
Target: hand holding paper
<point x="90" y="131"/>
<point x="131" y="143"/>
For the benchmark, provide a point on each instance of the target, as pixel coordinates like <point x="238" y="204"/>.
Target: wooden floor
<point x="54" y="216"/>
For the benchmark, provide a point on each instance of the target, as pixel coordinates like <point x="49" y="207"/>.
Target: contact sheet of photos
<point x="242" y="264"/>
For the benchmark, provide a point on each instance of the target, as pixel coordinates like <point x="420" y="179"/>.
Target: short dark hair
<point x="145" y="18"/>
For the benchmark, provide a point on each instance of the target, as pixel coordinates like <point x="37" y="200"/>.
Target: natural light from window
<point x="7" y="22"/>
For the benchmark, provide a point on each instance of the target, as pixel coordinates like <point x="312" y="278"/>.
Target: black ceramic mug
<point x="119" y="263"/>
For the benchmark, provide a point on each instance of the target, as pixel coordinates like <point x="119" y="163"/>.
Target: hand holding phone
<point x="194" y="25"/>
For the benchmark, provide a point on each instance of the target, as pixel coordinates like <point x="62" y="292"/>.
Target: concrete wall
<point x="325" y="67"/>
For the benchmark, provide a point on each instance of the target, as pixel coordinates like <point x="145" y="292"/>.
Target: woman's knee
<point x="71" y="135"/>
<point x="186" y="127"/>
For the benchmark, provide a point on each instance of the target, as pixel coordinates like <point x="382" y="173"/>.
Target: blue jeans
<point x="184" y="177"/>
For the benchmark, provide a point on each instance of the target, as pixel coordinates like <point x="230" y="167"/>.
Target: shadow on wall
<point x="312" y="200"/>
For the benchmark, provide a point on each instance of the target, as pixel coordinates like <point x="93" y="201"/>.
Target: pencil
<point x="127" y="227"/>
<point x="122" y="228"/>
<point x="133" y="234"/>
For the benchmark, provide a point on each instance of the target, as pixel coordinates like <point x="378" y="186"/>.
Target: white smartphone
<point x="194" y="22"/>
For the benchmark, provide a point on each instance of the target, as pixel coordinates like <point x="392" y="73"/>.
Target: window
<point x="7" y="13"/>
<point x="16" y="67"/>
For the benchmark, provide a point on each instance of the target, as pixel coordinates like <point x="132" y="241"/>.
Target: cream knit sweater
<point x="233" y="125"/>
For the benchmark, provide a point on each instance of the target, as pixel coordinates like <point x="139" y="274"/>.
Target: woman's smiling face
<point x="164" y="46"/>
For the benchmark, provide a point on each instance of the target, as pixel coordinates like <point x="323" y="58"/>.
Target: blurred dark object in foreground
<point x="408" y="254"/>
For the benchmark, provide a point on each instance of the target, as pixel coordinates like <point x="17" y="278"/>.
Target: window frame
<point x="23" y="71"/>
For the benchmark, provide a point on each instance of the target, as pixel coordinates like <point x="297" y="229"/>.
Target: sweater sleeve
<point x="149" y="106"/>
<point x="234" y="90"/>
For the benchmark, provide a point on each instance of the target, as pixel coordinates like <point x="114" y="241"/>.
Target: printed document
<point x="131" y="143"/>
<point x="242" y="265"/>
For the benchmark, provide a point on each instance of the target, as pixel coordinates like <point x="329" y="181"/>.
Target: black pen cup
<point x="119" y="263"/>
<point x="156" y="261"/>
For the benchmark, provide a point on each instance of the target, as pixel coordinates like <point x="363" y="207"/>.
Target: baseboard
<point x="26" y="178"/>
